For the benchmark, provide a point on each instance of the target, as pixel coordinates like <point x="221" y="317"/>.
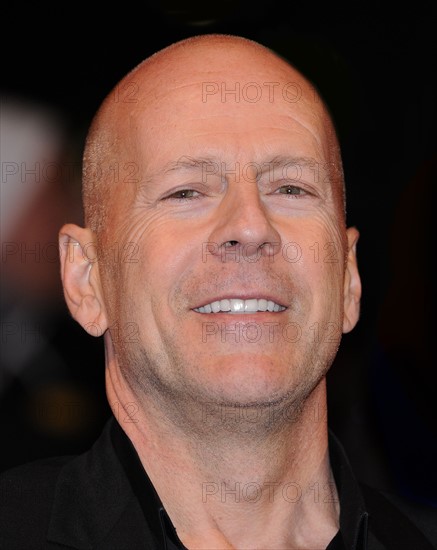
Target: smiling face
<point x="231" y="273"/>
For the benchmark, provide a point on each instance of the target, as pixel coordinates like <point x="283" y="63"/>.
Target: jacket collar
<point x="96" y="489"/>
<point x="353" y="513"/>
<point x="91" y="494"/>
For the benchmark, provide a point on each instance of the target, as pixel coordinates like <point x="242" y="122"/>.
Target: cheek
<point x="161" y="253"/>
<point x="321" y="261"/>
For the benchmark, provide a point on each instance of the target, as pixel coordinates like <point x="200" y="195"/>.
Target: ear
<point x="352" y="283"/>
<point x="80" y="278"/>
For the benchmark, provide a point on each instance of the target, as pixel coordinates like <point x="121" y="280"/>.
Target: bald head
<point x="208" y="76"/>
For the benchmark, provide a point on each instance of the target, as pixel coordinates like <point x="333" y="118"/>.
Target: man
<point x="217" y="265"/>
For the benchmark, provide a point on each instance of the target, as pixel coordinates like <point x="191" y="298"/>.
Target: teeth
<point x="235" y="305"/>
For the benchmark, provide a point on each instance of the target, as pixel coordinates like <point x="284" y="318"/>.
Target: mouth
<point x="239" y="305"/>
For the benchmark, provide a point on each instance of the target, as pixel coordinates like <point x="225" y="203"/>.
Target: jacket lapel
<point x="92" y="495"/>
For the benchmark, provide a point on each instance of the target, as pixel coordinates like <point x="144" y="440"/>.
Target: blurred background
<point x="376" y="70"/>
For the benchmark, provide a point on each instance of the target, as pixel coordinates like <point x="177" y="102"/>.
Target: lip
<point x="241" y="318"/>
<point x="243" y="296"/>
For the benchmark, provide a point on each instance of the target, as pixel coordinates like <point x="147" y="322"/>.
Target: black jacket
<point x="103" y="500"/>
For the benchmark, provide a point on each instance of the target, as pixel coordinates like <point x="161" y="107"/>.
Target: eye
<point x="291" y="190"/>
<point x="184" y="194"/>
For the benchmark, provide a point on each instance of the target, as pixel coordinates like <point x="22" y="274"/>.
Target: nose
<point x="243" y="226"/>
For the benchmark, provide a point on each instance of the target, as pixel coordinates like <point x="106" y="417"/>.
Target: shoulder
<point x="27" y="483"/>
<point x="74" y="501"/>
<point x="26" y="498"/>
<point x="392" y="517"/>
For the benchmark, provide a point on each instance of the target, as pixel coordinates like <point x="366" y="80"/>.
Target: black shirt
<point x="353" y="515"/>
<point x="104" y="500"/>
<point x="354" y="533"/>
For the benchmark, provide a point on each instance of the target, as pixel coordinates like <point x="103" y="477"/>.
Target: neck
<point x="228" y="481"/>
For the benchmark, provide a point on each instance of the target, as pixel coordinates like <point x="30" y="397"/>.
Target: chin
<point x="255" y="396"/>
<point x="253" y="380"/>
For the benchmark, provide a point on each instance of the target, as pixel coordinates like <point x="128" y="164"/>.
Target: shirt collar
<point x="155" y="515"/>
<point x="353" y="514"/>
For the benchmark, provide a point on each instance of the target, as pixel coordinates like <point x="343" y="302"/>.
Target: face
<point x="233" y="209"/>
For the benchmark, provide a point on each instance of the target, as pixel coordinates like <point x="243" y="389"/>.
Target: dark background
<point x="376" y="69"/>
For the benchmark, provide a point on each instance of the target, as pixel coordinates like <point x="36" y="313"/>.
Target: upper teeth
<point x="235" y="305"/>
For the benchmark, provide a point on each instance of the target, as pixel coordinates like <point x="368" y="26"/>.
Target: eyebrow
<point x="281" y="161"/>
<point x="187" y="163"/>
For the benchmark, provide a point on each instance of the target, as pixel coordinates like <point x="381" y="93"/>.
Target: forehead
<point x="218" y="100"/>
